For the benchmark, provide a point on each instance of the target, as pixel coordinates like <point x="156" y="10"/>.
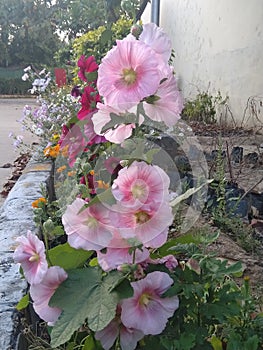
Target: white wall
<point x="218" y="46"/>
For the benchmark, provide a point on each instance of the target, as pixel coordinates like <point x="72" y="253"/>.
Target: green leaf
<point x="23" y="302"/>
<point x="105" y="36"/>
<point x="216" y="343"/>
<point x="103" y="197"/>
<point x="89" y="343"/>
<point x="185" y="342"/>
<point x="85" y="295"/>
<point x="58" y="231"/>
<point x="124" y="289"/>
<point x="124" y="118"/>
<point x="67" y="257"/>
<point x="91" y="76"/>
<point x="188" y="194"/>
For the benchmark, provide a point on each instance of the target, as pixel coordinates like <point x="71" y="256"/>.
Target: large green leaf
<point x="85" y="295"/>
<point x="67" y="257"/>
<point x="188" y="193"/>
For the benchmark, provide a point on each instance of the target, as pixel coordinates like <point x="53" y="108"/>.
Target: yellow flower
<point x="52" y="151"/>
<point x="56" y="137"/>
<point x="36" y="203"/>
<point x="62" y="168"/>
<point x="102" y="184"/>
<point x="71" y="173"/>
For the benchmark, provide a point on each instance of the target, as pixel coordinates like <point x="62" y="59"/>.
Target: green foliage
<point x="23" y="302"/>
<point x="98" y="41"/>
<point x="96" y="301"/>
<point x="22" y="24"/>
<point x="67" y="257"/>
<point x="202" y="108"/>
<point x="11" y="82"/>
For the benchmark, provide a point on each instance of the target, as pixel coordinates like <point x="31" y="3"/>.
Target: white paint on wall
<point x="219" y="47"/>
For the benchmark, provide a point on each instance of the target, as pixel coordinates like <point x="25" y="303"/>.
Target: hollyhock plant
<point x="167" y="104"/>
<point x="147" y="310"/>
<point x="128" y="73"/>
<point x="42" y="292"/>
<point x="157" y="39"/>
<point x="128" y="337"/>
<point x="115" y="257"/>
<point x="120" y="131"/>
<point x="149" y="224"/>
<point x="86" y="65"/>
<point x="31" y="255"/>
<point x="89" y="229"/>
<point x="140" y="184"/>
<point x="88" y="101"/>
<point x="73" y="142"/>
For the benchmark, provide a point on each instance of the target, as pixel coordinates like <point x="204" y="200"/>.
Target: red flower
<point x="86" y="65"/>
<point x="88" y="101"/>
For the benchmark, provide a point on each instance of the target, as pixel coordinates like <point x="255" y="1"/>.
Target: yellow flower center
<point x="142" y="217"/>
<point x="144" y="299"/>
<point x="138" y="190"/>
<point x="34" y="257"/>
<point x="129" y="76"/>
<point x="92" y="223"/>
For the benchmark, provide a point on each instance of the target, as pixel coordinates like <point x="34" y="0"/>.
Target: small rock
<point x="251" y="158"/>
<point x="6" y="165"/>
<point x="237" y="154"/>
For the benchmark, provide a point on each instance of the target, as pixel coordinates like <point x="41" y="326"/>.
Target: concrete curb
<point x="16" y="217"/>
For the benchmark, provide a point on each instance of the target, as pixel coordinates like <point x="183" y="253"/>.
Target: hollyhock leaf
<point x="84" y="295"/>
<point x="67" y="257"/>
<point x="188" y="193"/>
<point x="128" y="118"/>
<point x="103" y="197"/>
<point x="124" y="289"/>
<point x="23" y="302"/>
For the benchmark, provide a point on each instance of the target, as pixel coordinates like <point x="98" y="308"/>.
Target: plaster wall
<point x="218" y="47"/>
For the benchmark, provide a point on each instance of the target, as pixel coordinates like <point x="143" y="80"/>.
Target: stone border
<point x="16" y="217"/>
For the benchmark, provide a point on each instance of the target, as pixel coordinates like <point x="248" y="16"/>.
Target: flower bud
<point x="136" y="30"/>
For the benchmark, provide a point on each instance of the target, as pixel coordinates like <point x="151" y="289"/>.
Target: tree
<point x="28" y="32"/>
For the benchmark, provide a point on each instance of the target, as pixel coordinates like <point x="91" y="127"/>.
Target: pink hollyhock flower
<point x="128" y="336"/>
<point x="42" y="293"/>
<point x="120" y="133"/>
<point x="141" y="184"/>
<point x="112" y="165"/>
<point x="167" y="103"/>
<point x="31" y="255"/>
<point x="147" y="310"/>
<point x="86" y="65"/>
<point x="88" y="101"/>
<point x="169" y="261"/>
<point x="91" y="136"/>
<point x="117" y="134"/>
<point x="128" y="73"/>
<point x="115" y="257"/>
<point x="157" y="39"/>
<point x="89" y="229"/>
<point x="149" y="224"/>
<point x="73" y="143"/>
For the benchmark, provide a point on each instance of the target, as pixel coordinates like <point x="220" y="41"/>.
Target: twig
<point x="251" y="188"/>
<point x="229" y="163"/>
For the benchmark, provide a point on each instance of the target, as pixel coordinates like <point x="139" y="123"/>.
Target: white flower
<point x="27" y="69"/>
<point x="25" y="77"/>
